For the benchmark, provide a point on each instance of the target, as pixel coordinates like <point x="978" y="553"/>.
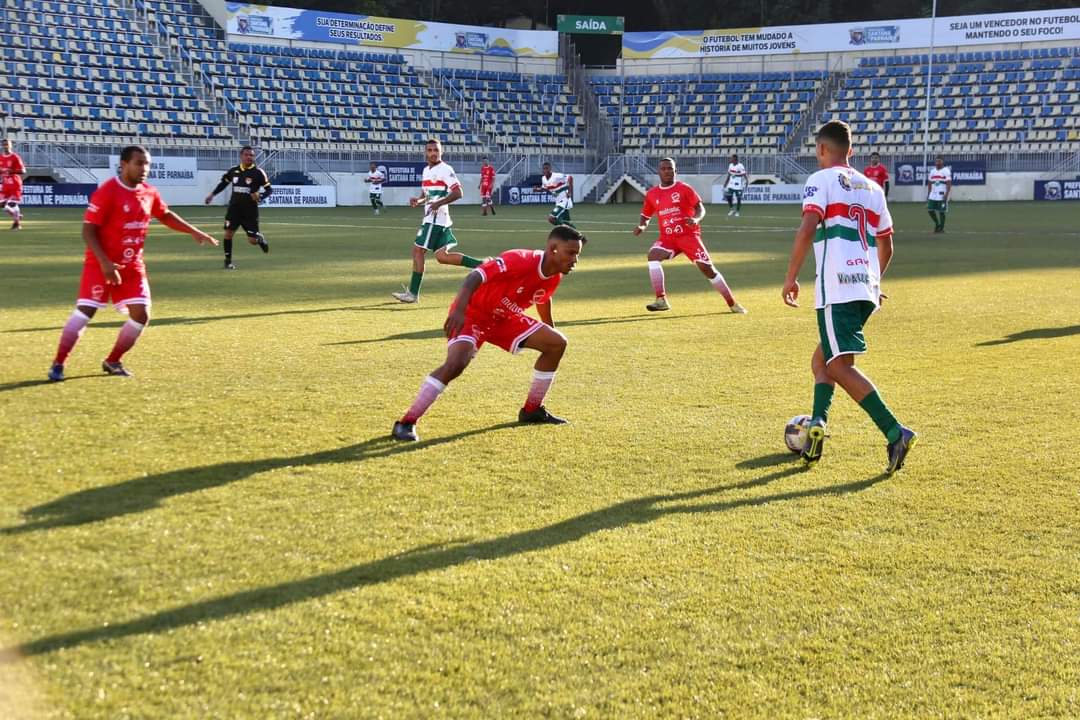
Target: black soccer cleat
<point x="116" y="368"/>
<point x="540" y="416"/>
<point x="261" y="242"/>
<point x="898" y="451"/>
<point x="404" y="431"/>
<point x="815" y="441"/>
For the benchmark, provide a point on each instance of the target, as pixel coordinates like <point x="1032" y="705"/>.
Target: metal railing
<point x="599" y="134"/>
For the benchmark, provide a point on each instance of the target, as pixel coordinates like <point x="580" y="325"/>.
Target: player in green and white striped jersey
<point x="439" y="188"/>
<point x="847" y="221"/>
<point x="939" y="187"/>
<point x="562" y="187"/>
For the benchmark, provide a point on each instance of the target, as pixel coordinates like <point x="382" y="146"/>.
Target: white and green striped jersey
<point x="852" y="215"/>
<point x="939" y="183"/>
<point x="376" y="179"/>
<point x="736" y="176"/>
<point x="438" y="182"/>
<point x="559" y="186"/>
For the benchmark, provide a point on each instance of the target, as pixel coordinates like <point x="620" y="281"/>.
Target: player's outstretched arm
<point x="456" y="319"/>
<point x="544" y="311"/>
<point x="643" y="224"/>
<point x="804" y="240"/>
<point x="108" y="267"/>
<point x="174" y="222"/>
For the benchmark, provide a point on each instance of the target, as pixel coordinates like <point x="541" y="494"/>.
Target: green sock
<point x="414" y="283"/>
<point x="374" y="204"/>
<point x="823" y="393"/>
<point x="881" y="415"/>
<point x="471" y="262"/>
<point x="942" y="223"/>
<point x="933" y="216"/>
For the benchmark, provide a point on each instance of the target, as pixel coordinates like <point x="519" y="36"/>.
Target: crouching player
<point x="114" y="229"/>
<point x="490" y="307"/>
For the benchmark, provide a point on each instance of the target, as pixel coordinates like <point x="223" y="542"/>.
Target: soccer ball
<point x="795" y="433"/>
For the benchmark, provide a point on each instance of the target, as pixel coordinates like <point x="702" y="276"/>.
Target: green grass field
<point x="232" y="534"/>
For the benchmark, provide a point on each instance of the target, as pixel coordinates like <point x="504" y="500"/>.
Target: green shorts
<point x="732" y="191"/>
<point x="841" y="328"/>
<point x="937" y="206"/>
<point x="561" y="215"/>
<point x="432" y="237"/>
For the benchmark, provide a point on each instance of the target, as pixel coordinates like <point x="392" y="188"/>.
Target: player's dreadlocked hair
<point x="836" y="132"/>
<point x="566" y="233"/>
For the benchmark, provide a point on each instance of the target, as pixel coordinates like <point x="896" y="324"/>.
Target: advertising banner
<point x="525" y="195"/>
<point x="165" y="170"/>
<point x="402" y="174"/>
<point x="1057" y="189"/>
<point x="838" y="37"/>
<point x="302" y="196"/>
<point x="764" y="194"/>
<point x="389" y="33"/>
<point x="58" y="195"/>
<point x="964" y="172"/>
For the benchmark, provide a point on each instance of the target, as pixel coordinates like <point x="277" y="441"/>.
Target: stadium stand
<point x="533" y="112"/>
<point x="989" y="101"/>
<point x="73" y="70"/>
<point x="696" y="114"/>
<point x="79" y="71"/>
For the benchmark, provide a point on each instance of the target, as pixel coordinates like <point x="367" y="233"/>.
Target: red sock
<point x="73" y="330"/>
<point x="541" y="383"/>
<point x="129" y="333"/>
<point x="430" y="390"/>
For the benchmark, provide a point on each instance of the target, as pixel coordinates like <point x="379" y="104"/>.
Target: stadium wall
<point x="352" y="191"/>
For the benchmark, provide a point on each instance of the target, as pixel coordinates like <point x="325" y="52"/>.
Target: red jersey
<point x="513" y="282"/>
<point x="877" y="173"/>
<point x="122" y="215"/>
<point x="673" y="205"/>
<point x="487" y="176"/>
<point x="11" y="169"/>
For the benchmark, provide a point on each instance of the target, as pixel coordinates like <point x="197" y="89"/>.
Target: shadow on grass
<point x="19" y="384"/>
<point x="433" y="334"/>
<point x="431" y="558"/>
<point x="183" y="320"/>
<point x="145" y="493"/>
<point x="1036" y="334"/>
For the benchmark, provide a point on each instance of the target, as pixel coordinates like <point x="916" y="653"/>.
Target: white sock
<point x="656" y="275"/>
<point x="722" y="287"/>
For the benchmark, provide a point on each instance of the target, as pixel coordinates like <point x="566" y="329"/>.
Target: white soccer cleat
<point x="405" y="296"/>
<point x="738" y="309"/>
<point x="736" y="213"/>
<point x="730" y="212"/>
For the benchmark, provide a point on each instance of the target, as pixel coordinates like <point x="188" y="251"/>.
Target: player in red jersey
<point x="680" y="211"/>
<point x="11" y="172"/>
<point x="114" y="228"/>
<point x="490" y="307"/>
<point x="877" y="172"/>
<point x="487" y="185"/>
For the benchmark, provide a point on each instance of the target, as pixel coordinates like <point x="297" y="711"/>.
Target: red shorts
<point x="485" y="192"/>
<point x="134" y="287"/>
<point x="11" y="190"/>
<point x="507" y="332"/>
<point x="689" y="245"/>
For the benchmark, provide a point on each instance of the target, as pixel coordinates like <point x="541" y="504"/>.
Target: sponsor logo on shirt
<point x="853" y="278"/>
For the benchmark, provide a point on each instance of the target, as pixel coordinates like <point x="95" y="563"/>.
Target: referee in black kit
<point x="249" y="185"/>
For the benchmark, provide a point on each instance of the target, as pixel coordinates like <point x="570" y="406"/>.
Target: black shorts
<point x="238" y="216"/>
